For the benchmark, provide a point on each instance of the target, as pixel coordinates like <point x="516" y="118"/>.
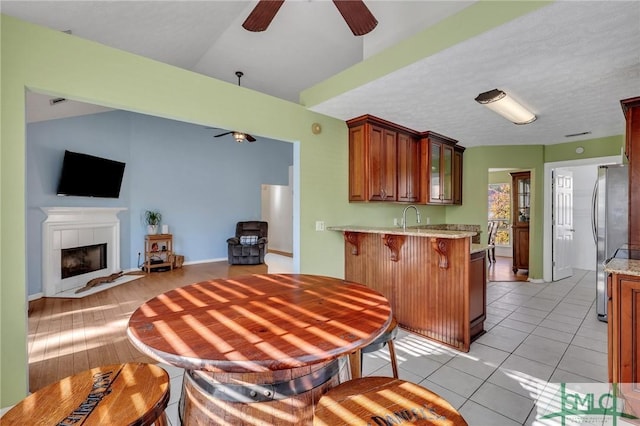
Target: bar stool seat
<point x="384" y="401"/>
<point x="386" y="338"/>
<point x="118" y="394"/>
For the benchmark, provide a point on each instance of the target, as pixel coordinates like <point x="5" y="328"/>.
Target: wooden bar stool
<point x="384" y="401"/>
<point x="386" y="338"/>
<point x="118" y="394"/>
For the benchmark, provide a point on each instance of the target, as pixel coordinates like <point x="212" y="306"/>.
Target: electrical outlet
<point x="428" y="220"/>
<point x="395" y="221"/>
<point x="319" y="225"/>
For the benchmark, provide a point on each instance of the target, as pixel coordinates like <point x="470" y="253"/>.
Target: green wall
<point x="593" y="148"/>
<point x="502" y="176"/>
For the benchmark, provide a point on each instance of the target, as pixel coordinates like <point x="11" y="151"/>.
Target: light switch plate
<point x="319" y="225"/>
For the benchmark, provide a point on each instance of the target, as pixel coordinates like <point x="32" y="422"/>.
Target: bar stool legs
<point x="386" y="338"/>
<point x="392" y="356"/>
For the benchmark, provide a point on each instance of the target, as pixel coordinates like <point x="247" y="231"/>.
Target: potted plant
<point x="152" y="218"/>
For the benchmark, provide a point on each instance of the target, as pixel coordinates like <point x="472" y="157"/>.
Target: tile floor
<point x="538" y="335"/>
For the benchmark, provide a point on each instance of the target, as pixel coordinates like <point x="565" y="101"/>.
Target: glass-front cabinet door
<point x="441" y="178"/>
<point x="447" y="174"/>
<point x="522" y="198"/>
<point x="434" y="179"/>
<point x="520" y="216"/>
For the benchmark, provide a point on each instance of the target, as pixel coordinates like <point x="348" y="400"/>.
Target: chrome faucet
<point x="404" y="215"/>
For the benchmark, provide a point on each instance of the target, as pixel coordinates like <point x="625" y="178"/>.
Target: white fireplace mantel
<point x="68" y="227"/>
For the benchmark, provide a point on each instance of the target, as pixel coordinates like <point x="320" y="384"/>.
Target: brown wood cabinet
<point x="388" y="162"/>
<point x="372" y="159"/>
<point x="520" y="214"/>
<point x="457" y="174"/>
<point x="624" y="337"/>
<point x="408" y="168"/>
<point x="438" y="168"/>
<point x="631" y="109"/>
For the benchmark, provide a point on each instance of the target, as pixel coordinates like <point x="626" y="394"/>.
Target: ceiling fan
<point x="238" y="136"/>
<point x="356" y="14"/>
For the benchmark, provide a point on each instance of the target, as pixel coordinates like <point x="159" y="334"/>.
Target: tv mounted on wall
<point x="88" y="176"/>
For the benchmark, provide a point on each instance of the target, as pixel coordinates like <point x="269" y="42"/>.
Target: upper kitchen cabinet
<point x="457" y="174"/>
<point x="631" y="109"/>
<point x="408" y="154"/>
<point x="373" y="168"/>
<point x="388" y="162"/>
<point x="441" y="169"/>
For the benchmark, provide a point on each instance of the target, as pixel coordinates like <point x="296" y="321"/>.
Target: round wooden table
<point x="259" y="347"/>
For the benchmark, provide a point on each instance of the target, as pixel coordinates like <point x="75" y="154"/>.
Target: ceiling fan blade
<point x="357" y="16"/>
<point x="249" y="137"/>
<point x="262" y="15"/>
<point x="222" y="134"/>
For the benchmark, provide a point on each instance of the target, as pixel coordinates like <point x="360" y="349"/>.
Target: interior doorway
<point x="277" y="210"/>
<point x="500" y="214"/>
<point x="583" y="254"/>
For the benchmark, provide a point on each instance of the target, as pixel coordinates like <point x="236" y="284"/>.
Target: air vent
<point x="573" y="135"/>
<point x="55" y="101"/>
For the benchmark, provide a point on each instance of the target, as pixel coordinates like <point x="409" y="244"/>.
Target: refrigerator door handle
<point x="594" y="212"/>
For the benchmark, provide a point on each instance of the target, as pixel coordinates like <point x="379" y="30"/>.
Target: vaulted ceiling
<point x="569" y="62"/>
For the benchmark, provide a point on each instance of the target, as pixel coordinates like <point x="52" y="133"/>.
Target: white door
<point x="562" y="223"/>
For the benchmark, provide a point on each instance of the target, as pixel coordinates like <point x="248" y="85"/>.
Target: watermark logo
<point x="587" y="403"/>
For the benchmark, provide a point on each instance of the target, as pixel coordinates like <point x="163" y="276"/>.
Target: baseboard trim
<point x="281" y="253"/>
<point x="195" y="262"/>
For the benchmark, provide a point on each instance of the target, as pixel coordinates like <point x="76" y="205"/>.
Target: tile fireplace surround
<point x="69" y="227"/>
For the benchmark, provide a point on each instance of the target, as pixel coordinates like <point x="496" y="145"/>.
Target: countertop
<point x="475" y="248"/>
<point x="411" y="231"/>
<point x="623" y="266"/>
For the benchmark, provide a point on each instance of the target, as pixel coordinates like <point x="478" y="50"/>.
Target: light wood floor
<point x="501" y="271"/>
<point x="67" y="336"/>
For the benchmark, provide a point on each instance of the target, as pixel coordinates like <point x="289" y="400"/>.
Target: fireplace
<point x="78" y="245"/>
<point x="82" y="260"/>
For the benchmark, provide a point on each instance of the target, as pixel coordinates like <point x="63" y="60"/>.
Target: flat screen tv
<point x="84" y="175"/>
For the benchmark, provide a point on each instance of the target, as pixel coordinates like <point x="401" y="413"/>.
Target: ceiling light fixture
<point x="498" y="101"/>
<point x="238" y="136"/>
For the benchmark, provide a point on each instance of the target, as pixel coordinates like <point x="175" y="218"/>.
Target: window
<point x="500" y="210"/>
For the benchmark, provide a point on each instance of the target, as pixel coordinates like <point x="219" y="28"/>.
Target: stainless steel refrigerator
<point x="610" y="223"/>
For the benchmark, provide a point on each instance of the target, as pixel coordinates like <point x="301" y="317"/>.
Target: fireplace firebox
<point x="82" y="260"/>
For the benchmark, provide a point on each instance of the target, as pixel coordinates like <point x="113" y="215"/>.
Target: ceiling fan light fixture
<point x="238" y="136"/>
<point x="503" y="104"/>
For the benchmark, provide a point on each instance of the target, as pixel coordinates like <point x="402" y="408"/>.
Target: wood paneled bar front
<point x="434" y="279"/>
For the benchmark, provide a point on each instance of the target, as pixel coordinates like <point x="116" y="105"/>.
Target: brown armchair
<point x="249" y="245"/>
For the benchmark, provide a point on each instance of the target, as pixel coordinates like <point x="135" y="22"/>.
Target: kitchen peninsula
<point x="435" y="279"/>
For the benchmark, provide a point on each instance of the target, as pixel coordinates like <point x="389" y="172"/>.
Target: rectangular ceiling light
<point x="498" y="101"/>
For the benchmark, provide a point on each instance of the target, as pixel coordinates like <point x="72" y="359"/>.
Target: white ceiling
<point x="569" y="62"/>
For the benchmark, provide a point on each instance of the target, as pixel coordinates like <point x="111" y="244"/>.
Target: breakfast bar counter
<point x="435" y="279"/>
